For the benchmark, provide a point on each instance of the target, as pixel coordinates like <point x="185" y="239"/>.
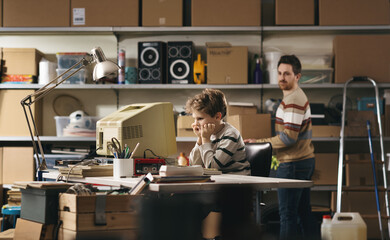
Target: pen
<point x="135" y="149"/>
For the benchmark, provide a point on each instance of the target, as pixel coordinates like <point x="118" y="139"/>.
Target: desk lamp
<point x="102" y="69"/>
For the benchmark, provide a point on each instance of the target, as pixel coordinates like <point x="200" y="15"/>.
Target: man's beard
<point x="284" y="85"/>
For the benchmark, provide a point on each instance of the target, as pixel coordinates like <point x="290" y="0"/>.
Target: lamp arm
<point x="32" y="98"/>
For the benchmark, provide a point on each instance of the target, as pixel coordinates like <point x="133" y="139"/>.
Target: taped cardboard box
<point x="303" y="12"/>
<point x="325" y="131"/>
<point x="184" y="128"/>
<point x="226" y="64"/>
<point x="22" y="61"/>
<point x="12" y="119"/>
<point x="37" y="13"/>
<point x="325" y="172"/>
<point x="362" y="55"/>
<point x="252" y="125"/>
<point x="157" y="13"/>
<point x="78" y="212"/>
<point x="239" y="110"/>
<point x="358" y="170"/>
<point x="104" y="13"/>
<point x="226" y="13"/>
<point x="354" y="12"/>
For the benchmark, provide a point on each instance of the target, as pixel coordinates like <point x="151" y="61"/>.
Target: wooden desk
<point x="258" y="183"/>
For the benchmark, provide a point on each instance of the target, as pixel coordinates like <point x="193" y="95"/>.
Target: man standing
<point x="295" y="152"/>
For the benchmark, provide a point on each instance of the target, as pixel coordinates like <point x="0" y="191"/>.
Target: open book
<point x="171" y="170"/>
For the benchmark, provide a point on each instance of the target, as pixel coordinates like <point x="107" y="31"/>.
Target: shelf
<point x="187" y="86"/>
<point x="193" y="30"/>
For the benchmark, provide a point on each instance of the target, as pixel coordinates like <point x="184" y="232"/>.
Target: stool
<point x="11" y="211"/>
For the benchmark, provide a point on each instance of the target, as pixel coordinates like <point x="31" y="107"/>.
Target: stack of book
<point x="175" y="174"/>
<point x="86" y="171"/>
<point x="14" y="197"/>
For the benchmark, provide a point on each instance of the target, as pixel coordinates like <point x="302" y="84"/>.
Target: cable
<point x="151" y="152"/>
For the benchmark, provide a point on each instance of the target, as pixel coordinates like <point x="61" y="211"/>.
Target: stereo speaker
<point x="151" y="62"/>
<point x="180" y="62"/>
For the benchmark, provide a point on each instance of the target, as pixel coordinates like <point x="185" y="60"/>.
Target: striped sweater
<point x="293" y="129"/>
<point x="226" y="152"/>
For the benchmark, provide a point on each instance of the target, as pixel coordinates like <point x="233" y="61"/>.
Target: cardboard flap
<point x="218" y="44"/>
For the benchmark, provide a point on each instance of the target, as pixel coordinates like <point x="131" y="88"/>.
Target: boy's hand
<point x="206" y="130"/>
<point x="196" y="130"/>
<point x="250" y="140"/>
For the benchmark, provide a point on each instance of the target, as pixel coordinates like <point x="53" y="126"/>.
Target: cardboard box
<point x="22" y="60"/>
<point x="358" y="170"/>
<point x="104" y="13"/>
<point x="18" y="164"/>
<point x="326" y="169"/>
<point x="29" y="230"/>
<point x="37" y="13"/>
<point x="354" y="12"/>
<point x="226" y="13"/>
<point x="226" y="64"/>
<point x="325" y="131"/>
<point x="184" y="128"/>
<point x="7" y="234"/>
<point x="157" y="13"/>
<point x="1" y="14"/>
<point x="65" y="234"/>
<point x="12" y="119"/>
<point x="361" y="202"/>
<point x="239" y="110"/>
<point x="357" y="123"/>
<point x="78" y="212"/>
<point x="303" y="12"/>
<point x="362" y="55"/>
<point x="252" y="125"/>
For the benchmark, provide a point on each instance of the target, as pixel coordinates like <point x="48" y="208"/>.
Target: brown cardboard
<point x="29" y="230"/>
<point x="357" y="123"/>
<point x="239" y="110"/>
<point x="1" y="166"/>
<point x="358" y="170"/>
<point x="1" y="13"/>
<point x="65" y="234"/>
<point x="157" y="13"/>
<point x="325" y="172"/>
<point x="104" y="13"/>
<point x="211" y="225"/>
<point x="37" y="13"/>
<point x="18" y="164"/>
<point x="227" y="64"/>
<point x="252" y="125"/>
<point x="184" y="128"/>
<point x="362" y="55"/>
<point x="7" y="234"/>
<point x="226" y="13"/>
<point x="303" y="12"/>
<point x="354" y="12"/>
<point x="12" y="119"/>
<point x="325" y="131"/>
<point x="22" y="60"/>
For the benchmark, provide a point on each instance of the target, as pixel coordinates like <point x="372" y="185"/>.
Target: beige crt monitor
<point x="150" y="124"/>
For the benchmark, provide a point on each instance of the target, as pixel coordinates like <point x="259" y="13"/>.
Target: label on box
<point x="78" y="16"/>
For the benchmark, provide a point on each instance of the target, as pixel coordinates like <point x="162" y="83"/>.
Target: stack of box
<point x="68" y="59"/>
<point x="118" y="219"/>
<point x="326" y="169"/>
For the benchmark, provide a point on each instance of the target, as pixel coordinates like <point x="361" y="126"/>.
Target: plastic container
<point x="325" y="227"/>
<point x="315" y="61"/>
<point x="316" y="76"/>
<point x="344" y="226"/>
<point x="68" y="59"/>
<point x="63" y="121"/>
<point x="369" y="104"/>
<point x="78" y="78"/>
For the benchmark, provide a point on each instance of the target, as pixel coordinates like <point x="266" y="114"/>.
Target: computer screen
<point x="149" y="124"/>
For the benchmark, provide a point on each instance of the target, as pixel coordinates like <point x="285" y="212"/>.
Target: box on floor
<point x="12" y="119"/>
<point x="354" y="12"/>
<point x="303" y="12"/>
<point x="104" y="13"/>
<point x="37" y="13"/>
<point x="30" y="230"/>
<point x="226" y="13"/>
<point x="226" y="64"/>
<point x="252" y="125"/>
<point x="7" y="234"/>
<point x="22" y="61"/>
<point x="362" y="55"/>
<point x="162" y="13"/>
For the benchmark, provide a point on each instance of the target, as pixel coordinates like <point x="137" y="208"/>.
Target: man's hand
<point x="250" y="140"/>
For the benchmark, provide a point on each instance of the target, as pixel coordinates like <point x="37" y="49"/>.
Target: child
<point x="219" y="144"/>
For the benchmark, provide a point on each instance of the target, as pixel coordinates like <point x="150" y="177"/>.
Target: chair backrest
<point x="259" y="156"/>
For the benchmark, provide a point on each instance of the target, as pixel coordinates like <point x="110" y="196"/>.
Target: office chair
<point x="259" y="156"/>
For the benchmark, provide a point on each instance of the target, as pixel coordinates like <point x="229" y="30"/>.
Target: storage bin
<point x="315" y="61"/>
<point x="316" y="76"/>
<point x="78" y="78"/>
<point x="40" y="205"/>
<point x="68" y="59"/>
<point x="63" y="121"/>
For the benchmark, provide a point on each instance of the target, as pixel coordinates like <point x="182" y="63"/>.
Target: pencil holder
<point x="123" y="167"/>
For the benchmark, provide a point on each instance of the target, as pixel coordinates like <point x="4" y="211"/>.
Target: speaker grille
<point x="132" y="132"/>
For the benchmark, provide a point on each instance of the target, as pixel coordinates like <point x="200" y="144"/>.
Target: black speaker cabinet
<point x="180" y="58"/>
<point x="151" y="62"/>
